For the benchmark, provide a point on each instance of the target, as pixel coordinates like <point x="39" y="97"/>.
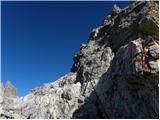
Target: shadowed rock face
<point x="115" y="75"/>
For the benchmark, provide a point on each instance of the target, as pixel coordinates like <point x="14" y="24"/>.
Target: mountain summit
<point x="115" y="75"/>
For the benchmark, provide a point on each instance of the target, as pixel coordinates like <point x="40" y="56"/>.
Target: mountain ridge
<point x="115" y="75"/>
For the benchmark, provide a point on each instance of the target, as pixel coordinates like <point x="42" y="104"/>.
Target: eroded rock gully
<point x="115" y="75"/>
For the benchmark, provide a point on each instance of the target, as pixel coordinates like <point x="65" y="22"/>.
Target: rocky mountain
<point x="115" y="75"/>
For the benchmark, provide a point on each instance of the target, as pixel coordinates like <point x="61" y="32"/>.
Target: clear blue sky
<point x="39" y="39"/>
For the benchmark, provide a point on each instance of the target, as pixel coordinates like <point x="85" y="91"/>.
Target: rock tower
<point x="10" y="90"/>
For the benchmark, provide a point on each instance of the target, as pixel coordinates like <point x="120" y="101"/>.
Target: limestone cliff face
<point x="115" y="75"/>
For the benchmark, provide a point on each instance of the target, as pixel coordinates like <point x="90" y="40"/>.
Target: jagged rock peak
<point x="9" y="90"/>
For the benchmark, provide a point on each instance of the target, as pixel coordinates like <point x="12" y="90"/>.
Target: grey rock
<point x="116" y="10"/>
<point x="67" y="94"/>
<point x="115" y="75"/>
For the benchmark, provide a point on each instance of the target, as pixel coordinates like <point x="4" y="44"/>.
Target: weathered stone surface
<point x="115" y="75"/>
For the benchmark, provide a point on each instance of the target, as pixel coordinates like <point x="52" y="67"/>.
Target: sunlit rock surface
<point x="115" y="75"/>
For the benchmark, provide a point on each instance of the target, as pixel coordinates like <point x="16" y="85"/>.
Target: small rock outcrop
<point x="115" y="75"/>
<point x="116" y="10"/>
